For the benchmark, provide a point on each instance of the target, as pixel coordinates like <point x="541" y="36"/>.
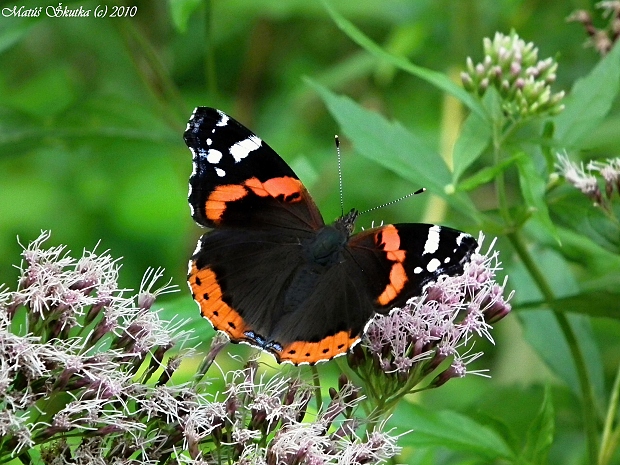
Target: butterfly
<point x="272" y="274"/>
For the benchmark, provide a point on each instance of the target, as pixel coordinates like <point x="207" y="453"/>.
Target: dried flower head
<point x="584" y="178"/>
<point x="512" y="67"/>
<point x="601" y="39"/>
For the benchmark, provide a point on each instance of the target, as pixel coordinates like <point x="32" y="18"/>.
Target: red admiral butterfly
<point x="272" y="274"/>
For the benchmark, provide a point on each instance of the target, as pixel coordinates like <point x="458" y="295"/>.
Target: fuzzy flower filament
<point x="589" y="178"/>
<point x="404" y="347"/>
<point x="86" y="375"/>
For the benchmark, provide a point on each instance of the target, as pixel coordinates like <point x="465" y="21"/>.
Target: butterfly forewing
<point x="399" y="259"/>
<point x="239" y="181"/>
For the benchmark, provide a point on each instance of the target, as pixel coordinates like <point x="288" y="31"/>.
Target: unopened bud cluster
<point x="523" y="81"/>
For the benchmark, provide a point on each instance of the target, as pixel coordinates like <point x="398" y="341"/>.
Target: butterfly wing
<point x="260" y="287"/>
<point x="399" y="259"/>
<point x="238" y="181"/>
<point x="241" y="272"/>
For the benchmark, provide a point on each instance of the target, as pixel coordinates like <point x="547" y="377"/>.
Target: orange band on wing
<point x="312" y="352"/>
<point x="388" y="240"/>
<point x="287" y="187"/>
<point x="290" y="189"/>
<point x="208" y="294"/>
<point x="398" y="279"/>
<point x="221" y="195"/>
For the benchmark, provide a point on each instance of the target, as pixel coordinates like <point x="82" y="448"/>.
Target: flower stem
<point x="500" y="185"/>
<point x="611" y="438"/>
<point x="588" y="405"/>
<point x="316" y="380"/>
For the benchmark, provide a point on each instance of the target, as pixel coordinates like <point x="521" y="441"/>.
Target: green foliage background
<point x="92" y="112"/>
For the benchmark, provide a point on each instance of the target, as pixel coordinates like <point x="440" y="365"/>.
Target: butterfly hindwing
<point x="261" y="288"/>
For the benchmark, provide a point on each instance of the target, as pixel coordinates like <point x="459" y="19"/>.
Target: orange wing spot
<point x="216" y="203"/>
<point x="313" y="352"/>
<point x="257" y="187"/>
<point x="389" y="241"/>
<point x="398" y="279"/>
<point x="208" y="294"/>
<point x="396" y="256"/>
<point x="289" y="188"/>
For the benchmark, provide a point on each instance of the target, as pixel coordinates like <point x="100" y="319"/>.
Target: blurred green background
<point x="92" y="112"/>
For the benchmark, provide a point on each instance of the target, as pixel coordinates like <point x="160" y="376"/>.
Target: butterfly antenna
<point x="337" y="140"/>
<point x="419" y="191"/>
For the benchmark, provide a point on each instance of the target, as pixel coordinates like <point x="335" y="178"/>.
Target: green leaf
<point x="184" y="310"/>
<point x="533" y="187"/>
<point x="589" y="101"/>
<point x="181" y="10"/>
<point x="547" y="145"/>
<point x="598" y="267"/>
<point x="435" y="78"/>
<point x="577" y="212"/>
<point x="542" y="332"/>
<point x="394" y="147"/>
<point x="450" y="430"/>
<point x="487" y="174"/>
<point x="541" y="432"/>
<point x="541" y="328"/>
<point x="599" y="303"/>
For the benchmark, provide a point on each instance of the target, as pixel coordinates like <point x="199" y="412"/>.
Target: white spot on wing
<point x="460" y="238"/>
<point x="209" y="141"/>
<point x="243" y="148"/>
<point x="432" y="241"/>
<point x="223" y="119"/>
<point x="214" y="156"/>
<point x="220" y="172"/>
<point x="433" y="265"/>
<point x="417" y="270"/>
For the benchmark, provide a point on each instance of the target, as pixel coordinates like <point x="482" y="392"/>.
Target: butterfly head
<point x="347" y="222"/>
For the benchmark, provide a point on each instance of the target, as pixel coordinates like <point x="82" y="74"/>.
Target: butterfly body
<point x="272" y="274"/>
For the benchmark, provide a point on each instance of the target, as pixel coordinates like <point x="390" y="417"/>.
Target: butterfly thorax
<point x="325" y="248"/>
